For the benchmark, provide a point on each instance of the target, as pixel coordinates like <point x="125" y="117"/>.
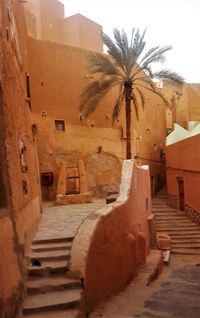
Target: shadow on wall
<point x="114" y="240"/>
<point x="102" y="171"/>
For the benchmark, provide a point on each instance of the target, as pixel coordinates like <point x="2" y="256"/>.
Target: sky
<point x="168" y="22"/>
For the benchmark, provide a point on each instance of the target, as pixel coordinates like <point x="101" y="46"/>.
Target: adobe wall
<point x="80" y="142"/>
<point x="185" y="103"/>
<point x="183" y="160"/>
<point x="45" y="20"/>
<point x="114" y="240"/>
<point x="18" y="159"/>
<point x="80" y="31"/>
<point x="56" y="88"/>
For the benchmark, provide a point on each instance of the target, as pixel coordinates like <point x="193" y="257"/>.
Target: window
<point x="60" y="125"/>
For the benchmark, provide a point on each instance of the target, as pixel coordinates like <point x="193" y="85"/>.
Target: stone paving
<point x="178" y="297"/>
<point x="49" y="289"/>
<point x="63" y="221"/>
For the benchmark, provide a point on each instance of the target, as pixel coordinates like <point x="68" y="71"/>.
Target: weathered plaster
<point x="114" y="240"/>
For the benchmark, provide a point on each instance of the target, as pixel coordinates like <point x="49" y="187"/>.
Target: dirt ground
<point x="130" y="302"/>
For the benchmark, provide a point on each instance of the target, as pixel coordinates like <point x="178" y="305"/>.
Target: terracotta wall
<point x="56" y="89"/>
<point x="18" y="160"/>
<point x="79" y="31"/>
<point x="185" y="103"/>
<point x="51" y="13"/>
<point x="114" y="240"/>
<point x="103" y="165"/>
<point x="183" y="160"/>
<point x="45" y="20"/>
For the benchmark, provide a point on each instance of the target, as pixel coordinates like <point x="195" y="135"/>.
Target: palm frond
<point x="139" y="43"/>
<point x="169" y="77"/>
<point x="114" y="51"/>
<point x="157" y="92"/>
<point x="135" y="50"/>
<point x="118" y="103"/>
<point x="132" y="37"/>
<point x="147" y="80"/>
<point x="156" y="57"/>
<point x="121" y="41"/>
<point x="99" y="63"/>
<point x="142" y="97"/>
<point x="149" y="71"/>
<point x="149" y="53"/>
<point x="93" y="93"/>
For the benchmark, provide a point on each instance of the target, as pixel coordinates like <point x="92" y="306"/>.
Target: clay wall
<point x="45" y="20"/>
<point x="51" y="13"/>
<point x="18" y="159"/>
<point x="100" y="148"/>
<point x="185" y="103"/>
<point x="183" y="161"/>
<point x="114" y="240"/>
<point x="56" y="89"/>
<point x="79" y="31"/>
<point x="33" y="18"/>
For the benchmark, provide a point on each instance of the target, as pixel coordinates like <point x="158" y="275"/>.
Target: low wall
<point x="114" y="240"/>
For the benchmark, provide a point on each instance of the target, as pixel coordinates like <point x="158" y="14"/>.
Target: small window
<point x="60" y="125"/>
<point x="44" y="113"/>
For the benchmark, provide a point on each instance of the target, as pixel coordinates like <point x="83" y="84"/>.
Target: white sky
<point x="168" y="22"/>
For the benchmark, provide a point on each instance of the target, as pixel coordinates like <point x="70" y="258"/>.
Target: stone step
<point x="50" y="240"/>
<point x="163" y="207"/>
<point x="161" y="202"/>
<point x="160" y="210"/>
<point x="185" y="235"/>
<point x="185" y="251"/>
<point x="52" y="301"/>
<point x="48" y="267"/>
<point x="172" y="219"/>
<point x="51" y="247"/>
<point x="50" y="255"/>
<point x="186" y="240"/>
<point x="179" y="232"/>
<point x="166" y="214"/>
<point x="185" y="245"/>
<point x="178" y="227"/>
<point x="174" y="222"/>
<point x="52" y="283"/>
<point x="67" y="313"/>
<point x="167" y="217"/>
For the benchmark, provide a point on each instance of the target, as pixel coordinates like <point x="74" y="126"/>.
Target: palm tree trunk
<point x="128" y="91"/>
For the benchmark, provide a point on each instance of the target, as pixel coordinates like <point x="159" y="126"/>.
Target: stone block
<point x="163" y="241"/>
<point x="74" y="198"/>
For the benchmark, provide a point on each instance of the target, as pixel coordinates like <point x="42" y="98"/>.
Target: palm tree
<point x="128" y="68"/>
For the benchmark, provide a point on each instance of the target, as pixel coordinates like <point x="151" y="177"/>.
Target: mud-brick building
<point x="20" y="199"/>
<point x="57" y="63"/>
<point x="185" y="104"/>
<point x="183" y="170"/>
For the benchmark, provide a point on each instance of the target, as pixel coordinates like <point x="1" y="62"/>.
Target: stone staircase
<point x="50" y="293"/>
<point x="184" y="234"/>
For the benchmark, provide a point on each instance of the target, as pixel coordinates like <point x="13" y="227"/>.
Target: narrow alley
<point x="90" y="133"/>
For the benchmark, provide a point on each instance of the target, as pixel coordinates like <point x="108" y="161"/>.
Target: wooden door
<point x="181" y="194"/>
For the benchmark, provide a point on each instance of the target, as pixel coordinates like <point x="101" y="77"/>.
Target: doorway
<point x="181" y="193"/>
